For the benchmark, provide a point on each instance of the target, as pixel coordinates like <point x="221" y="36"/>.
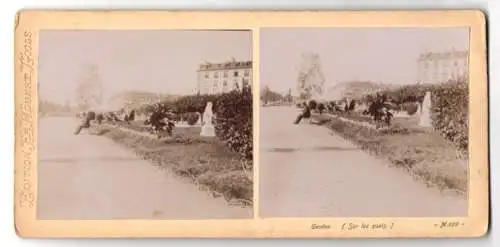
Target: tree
<point x="267" y="95"/>
<point x="264" y="94"/>
<point x="89" y="89"/>
<point x="310" y="79"/>
<point x="288" y="96"/>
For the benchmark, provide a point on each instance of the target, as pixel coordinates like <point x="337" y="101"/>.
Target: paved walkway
<point x="307" y="171"/>
<point x="89" y="177"/>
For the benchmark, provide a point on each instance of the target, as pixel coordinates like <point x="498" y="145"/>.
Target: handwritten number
<point x="449" y="224"/>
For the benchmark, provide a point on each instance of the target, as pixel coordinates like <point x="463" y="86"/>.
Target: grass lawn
<point x="423" y="153"/>
<point x="207" y="161"/>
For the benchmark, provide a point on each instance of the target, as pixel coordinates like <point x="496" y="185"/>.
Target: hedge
<point x="451" y="112"/>
<point x="234" y="123"/>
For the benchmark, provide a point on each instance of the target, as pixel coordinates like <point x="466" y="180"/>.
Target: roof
<point x="444" y="55"/>
<point x="225" y="66"/>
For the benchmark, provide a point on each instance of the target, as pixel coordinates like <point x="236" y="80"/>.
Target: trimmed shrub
<point x="410" y="108"/>
<point x="192" y="118"/>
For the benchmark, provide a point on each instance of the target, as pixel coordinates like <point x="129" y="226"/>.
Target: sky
<point x="386" y="55"/>
<point x="145" y="60"/>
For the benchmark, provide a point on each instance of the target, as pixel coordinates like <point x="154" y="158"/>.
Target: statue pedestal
<point x="207" y="130"/>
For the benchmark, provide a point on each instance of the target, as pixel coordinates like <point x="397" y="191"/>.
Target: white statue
<point x="199" y="118"/>
<point x="425" y="116"/>
<point x="207" y="129"/>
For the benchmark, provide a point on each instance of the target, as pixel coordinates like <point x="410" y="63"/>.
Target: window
<point x="216" y="74"/>
<point x="207" y="75"/>
<point x="236" y="73"/>
<point x="225" y="74"/>
<point x="224" y="86"/>
<point x="214" y="87"/>
<point x="247" y="72"/>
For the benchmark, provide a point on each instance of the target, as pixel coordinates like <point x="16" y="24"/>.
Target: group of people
<point x="378" y="111"/>
<point x="99" y="117"/>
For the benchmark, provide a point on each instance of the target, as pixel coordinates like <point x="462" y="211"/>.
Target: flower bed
<point x="424" y="154"/>
<point x="206" y="161"/>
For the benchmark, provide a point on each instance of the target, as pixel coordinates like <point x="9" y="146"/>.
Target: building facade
<point x="434" y="67"/>
<point x="216" y="78"/>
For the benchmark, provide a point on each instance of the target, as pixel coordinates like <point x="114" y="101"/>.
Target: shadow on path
<point x="95" y="159"/>
<point x="319" y="148"/>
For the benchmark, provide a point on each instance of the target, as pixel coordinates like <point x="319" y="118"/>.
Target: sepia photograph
<point x="364" y="122"/>
<point x="251" y="124"/>
<point x="145" y="124"/>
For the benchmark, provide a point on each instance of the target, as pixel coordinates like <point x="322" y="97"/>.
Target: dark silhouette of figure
<point x="131" y="115"/>
<point x="321" y="108"/>
<point x="306" y="113"/>
<point x="89" y="116"/>
<point x="99" y="118"/>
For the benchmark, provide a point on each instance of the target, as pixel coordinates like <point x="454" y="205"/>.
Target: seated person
<point x="306" y="113"/>
<point x="387" y="116"/>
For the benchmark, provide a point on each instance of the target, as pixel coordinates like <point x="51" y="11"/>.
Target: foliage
<point x="234" y="123"/>
<point x="410" y="107"/>
<point x="426" y="155"/>
<point x="192" y="103"/>
<point x="206" y="161"/>
<point x="45" y="106"/>
<point x="450" y="112"/>
<point x="192" y="118"/>
<point x="288" y="96"/>
<point x="449" y="107"/>
<point x="267" y="95"/>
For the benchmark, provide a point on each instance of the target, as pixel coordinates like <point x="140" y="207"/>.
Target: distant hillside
<point x="356" y="89"/>
<point x="135" y="99"/>
<point x="46" y="107"/>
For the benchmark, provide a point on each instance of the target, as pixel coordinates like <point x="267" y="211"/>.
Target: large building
<point x="215" y="78"/>
<point x="436" y="67"/>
